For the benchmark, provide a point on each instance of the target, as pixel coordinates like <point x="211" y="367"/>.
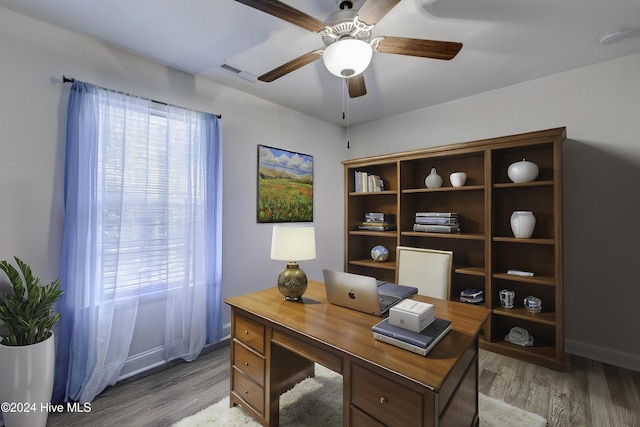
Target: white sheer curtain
<point x="138" y="228"/>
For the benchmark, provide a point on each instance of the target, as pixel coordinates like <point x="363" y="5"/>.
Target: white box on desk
<point x="411" y="315"/>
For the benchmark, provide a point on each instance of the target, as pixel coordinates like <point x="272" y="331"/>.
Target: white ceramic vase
<point x="523" y="224"/>
<point x="433" y="180"/>
<point x="26" y="378"/>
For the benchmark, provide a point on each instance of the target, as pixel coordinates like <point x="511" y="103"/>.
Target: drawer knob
<point x="246" y="392"/>
<point x="383" y="399"/>
<point x="246" y="332"/>
<point x="246" y="363"/>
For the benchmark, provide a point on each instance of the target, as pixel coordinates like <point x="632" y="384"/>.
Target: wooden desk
<point x="275" y="344"/>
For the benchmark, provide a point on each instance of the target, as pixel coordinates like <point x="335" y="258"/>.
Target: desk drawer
<point x="248" y="362"/>
<point x="360" y="419"/>
<point x="308" y="350"/>
<point x="388" y="401"/>
<point x="249" y="332"/>
<point x="248" y="391"/>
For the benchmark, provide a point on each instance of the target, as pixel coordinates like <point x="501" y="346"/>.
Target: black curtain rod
<point x="66" y="79"/>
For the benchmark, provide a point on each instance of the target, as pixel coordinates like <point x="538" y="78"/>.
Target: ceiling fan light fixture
<point x="347" y="57"/>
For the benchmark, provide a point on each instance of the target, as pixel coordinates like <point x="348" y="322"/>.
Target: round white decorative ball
<point x="379" y="253"/>
<point x="523" y="171"/>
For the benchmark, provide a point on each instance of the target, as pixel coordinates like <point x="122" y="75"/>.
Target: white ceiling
<point x="504" y="42"/>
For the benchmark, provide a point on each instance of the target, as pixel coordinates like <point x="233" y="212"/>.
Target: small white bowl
<point x="458" y="179"/>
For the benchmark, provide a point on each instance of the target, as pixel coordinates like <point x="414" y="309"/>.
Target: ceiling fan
<point x="347" y="37"/>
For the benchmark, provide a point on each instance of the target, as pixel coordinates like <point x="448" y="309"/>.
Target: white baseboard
<point x="602" y="354"/>
<point x="154" y="357"/>
<point x="142" y="362"/>
<point x="226" y="331"/>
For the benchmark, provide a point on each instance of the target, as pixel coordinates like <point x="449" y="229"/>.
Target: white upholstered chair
<point x="429" y="270"/>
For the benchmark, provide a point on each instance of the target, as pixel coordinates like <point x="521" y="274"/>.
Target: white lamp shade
<point x="348" y="57"/>
<point x="293" y="243"/>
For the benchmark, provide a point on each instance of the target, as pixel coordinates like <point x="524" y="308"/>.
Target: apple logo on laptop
<point x="352" y="295"/>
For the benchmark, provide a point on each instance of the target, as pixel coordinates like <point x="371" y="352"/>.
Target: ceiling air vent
<point x="238" y="72"/>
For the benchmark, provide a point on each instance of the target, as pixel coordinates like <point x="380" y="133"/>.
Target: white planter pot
<point x="26" y="380"/>
<point x="523" y="224"/>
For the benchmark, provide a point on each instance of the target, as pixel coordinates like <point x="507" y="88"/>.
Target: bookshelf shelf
<point x="391" y="234"/>
<point x="523" y="184"/>
<point x="524" y="241"/>
<point x="387" y="265"/>
<point x="541" y="353"/>
<point x="485" y="247"/>
<point x="471" y="271"/>
<point x="540" y="280"/>
<point x="441" y="189"/>
<point x="461" y="236"/>
<point x="373" y="193"/>
<point x="522" y="313"/>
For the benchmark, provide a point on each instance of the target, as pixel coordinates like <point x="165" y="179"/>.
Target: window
<point x="143" y="184"/>
<point x="147" y="167"/>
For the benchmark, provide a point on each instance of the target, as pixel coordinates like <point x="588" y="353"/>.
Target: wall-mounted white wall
<point x="36" y="55"/>
<point x="599" y="105"/>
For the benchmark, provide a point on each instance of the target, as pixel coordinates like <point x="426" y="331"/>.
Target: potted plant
<point x="27" y="350"/>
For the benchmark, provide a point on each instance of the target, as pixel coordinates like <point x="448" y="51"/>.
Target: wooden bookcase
<point x="485" y="248"/>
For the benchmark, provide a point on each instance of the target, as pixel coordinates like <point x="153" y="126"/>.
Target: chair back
<point x="429" y="270"/>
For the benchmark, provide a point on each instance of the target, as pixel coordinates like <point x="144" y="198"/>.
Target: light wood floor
<point x="589" y="394"/>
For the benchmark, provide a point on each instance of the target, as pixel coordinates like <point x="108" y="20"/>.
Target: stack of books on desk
<point x="417" y="342"/>
<point x="412" y="325"/>
<point x="472" y="296"/>
<point x="378" y="221"/>
<point x="437" y="222"/>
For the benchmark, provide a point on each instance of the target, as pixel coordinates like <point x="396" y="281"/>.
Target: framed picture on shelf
<point x="285" y="186"/>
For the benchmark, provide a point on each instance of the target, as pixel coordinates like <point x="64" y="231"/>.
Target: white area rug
<point x="318" y="402"/>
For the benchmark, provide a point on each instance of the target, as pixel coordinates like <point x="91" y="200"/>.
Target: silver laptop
<point x="364" y="293"/>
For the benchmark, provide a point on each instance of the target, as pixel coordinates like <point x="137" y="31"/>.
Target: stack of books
<point x="437" y="222"/>
<point x="378" y="221"/>
<point x="417" y="342"/>
<point x="472" y="296"/>
<point x="365" y="182"/>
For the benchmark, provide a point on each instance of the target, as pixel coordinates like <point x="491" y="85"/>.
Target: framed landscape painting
<point x="285" y="185"/>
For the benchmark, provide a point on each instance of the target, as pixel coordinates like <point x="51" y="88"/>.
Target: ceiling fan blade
<point x="290" y="66"/>
<point x="372" y="11"/>
<point x="356" y="86"/>
<point x="418" y="47"/>
<point x="287" y="13"/>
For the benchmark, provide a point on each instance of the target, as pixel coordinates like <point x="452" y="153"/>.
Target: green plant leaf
<point x="27" y="312"/>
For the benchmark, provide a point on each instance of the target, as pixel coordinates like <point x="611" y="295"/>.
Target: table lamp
<point x="288" y="243"/>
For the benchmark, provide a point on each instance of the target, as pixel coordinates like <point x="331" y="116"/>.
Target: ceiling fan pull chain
<point x="346" y="101"/>
<point x="343" y="103"/>
<point x="345" y="109"/>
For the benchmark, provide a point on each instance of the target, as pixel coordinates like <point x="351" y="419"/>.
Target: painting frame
<point x="284" y="186"/>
